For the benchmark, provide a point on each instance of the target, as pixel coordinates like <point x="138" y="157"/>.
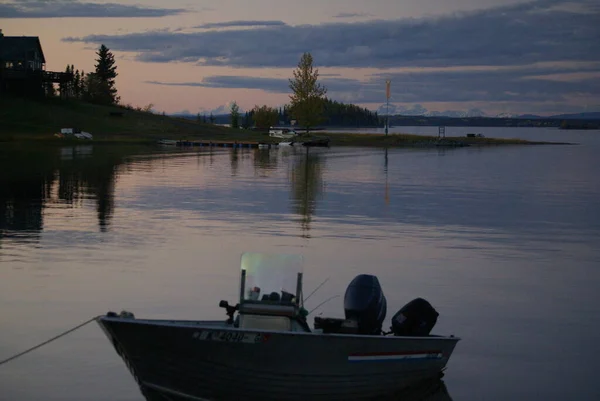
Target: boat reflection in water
<point x="268" y="351"/>
<point x="429" y="390"/>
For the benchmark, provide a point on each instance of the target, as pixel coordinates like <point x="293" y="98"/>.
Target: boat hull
<point x="187" y="360"/>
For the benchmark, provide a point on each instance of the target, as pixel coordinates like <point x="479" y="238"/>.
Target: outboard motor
<point x="416" y="318"/>
<point x="365" y="303"/>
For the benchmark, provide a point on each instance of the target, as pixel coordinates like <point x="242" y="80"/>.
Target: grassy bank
<point x="23" y="120"/>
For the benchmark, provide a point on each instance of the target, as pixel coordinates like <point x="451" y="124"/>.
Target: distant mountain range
<point x="419" y="111"/>
<point x="573" y="116"/>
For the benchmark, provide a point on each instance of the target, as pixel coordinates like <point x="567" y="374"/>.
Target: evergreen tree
<point x="308" y="95"/>
<point x="71" y="85"/>
<point x="247" y="121"/>
<point x="235" y="115"/>
<point x="82" y="87"/>
<point x="93" y="88"/>
<point x="77" y="85"/>
<point x="106" y="72"/>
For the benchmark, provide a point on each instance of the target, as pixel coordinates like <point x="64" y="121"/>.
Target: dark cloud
<point x="66" y="8"/>
<point x="351" y="15"/>
<point x="223" y="81"/>
<point x="511" y="35"/>
<point x="524" y="84"/>
<point x="275" y="85"/>
<point x="240" y="24"/>
<point x="527" y="84"/>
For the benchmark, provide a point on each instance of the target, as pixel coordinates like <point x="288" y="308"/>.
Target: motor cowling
<point x="365" y="303"/>
<point x="416" y="318"/>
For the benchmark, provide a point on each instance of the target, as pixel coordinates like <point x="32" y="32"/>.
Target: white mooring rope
<point x="48" y="341"/>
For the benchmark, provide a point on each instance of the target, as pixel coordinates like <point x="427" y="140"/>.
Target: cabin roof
<point x="16" y="47"/>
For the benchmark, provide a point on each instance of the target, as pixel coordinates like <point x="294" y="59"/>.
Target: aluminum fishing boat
<point x="266" y="350"/>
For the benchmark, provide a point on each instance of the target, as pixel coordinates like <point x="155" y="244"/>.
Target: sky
<point x="490" y="56"/>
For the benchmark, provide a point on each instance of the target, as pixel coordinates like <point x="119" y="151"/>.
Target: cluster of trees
<point x="76" y="87"/>
<point x="308" y="106"/>
<point x="95" y="87"/>
<point x="341" y="114"/>
<point x="306" y="102"/>
<point x="333" y="114"/>
<point x="264" y="116"/>
<point x="204" y="119"/>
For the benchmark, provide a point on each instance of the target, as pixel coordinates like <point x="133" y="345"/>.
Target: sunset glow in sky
<point x="499" y="56"/>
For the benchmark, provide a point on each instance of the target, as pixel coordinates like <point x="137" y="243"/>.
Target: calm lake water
<point x="503" y="241"/>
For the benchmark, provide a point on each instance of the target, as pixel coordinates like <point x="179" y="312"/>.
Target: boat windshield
<point x="271" y="277"/>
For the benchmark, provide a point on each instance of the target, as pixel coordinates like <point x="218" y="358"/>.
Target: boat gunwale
<point x="216" y="325"/>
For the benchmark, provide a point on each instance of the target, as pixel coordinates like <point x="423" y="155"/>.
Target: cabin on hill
<point x="23" y="67"/>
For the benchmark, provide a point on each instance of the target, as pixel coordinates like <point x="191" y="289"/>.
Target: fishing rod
<point x="315" y="290"/>
<point x="327" y="300"/>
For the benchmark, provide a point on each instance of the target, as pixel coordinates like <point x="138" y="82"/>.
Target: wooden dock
<point x="223" y="144"/>
<point x="241" y="144"/>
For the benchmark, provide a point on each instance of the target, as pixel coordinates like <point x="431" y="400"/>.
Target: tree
<point x="81" y="84"/>
<point x="235" y="115"/>
<point x="308" y="95"/>
<point x="264" y="116"/>
<point x="77" y="84"/>
<point x="106" y="71"/>
<point x="65" y="88"/>
<point x="247" y="121"/>
<point x="92" y="88"/>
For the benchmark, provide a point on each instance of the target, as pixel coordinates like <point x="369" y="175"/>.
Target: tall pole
<point x="387" y="105"/>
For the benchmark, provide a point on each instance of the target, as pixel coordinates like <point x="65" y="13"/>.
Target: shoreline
<point x="29" y="121"/>
<point x="367" y="140"/>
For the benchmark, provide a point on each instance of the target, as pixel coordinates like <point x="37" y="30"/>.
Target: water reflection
<point x="234" y="158"/>
<point x="413" y="186"/>
<point x="385" y="172"/>
<point x="265" y="161"/>
<point x="35" y="178"/>
<point x="433" y="390"/>
<point x="71" y="177"/>
<point x="429" y="390"/>
<point x="306" y="180"/>
<point x="22" y="196"/>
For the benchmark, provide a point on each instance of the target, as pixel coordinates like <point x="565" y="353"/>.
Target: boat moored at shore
<point x="265" y="349"/>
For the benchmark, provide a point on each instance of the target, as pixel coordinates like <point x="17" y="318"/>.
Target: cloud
<point x="525" y="87"/>
<point x="510" y="35"/>
<point x="351" y="15"/>
<point x="73" y="8"/>
<point x="240" y="24"/>
<point x="274" y="85"/>
<point x="530" y="83"/>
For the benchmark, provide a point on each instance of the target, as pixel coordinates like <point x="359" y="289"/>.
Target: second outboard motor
<point x="416" y="318"/>
<point x="365" y="303"/>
